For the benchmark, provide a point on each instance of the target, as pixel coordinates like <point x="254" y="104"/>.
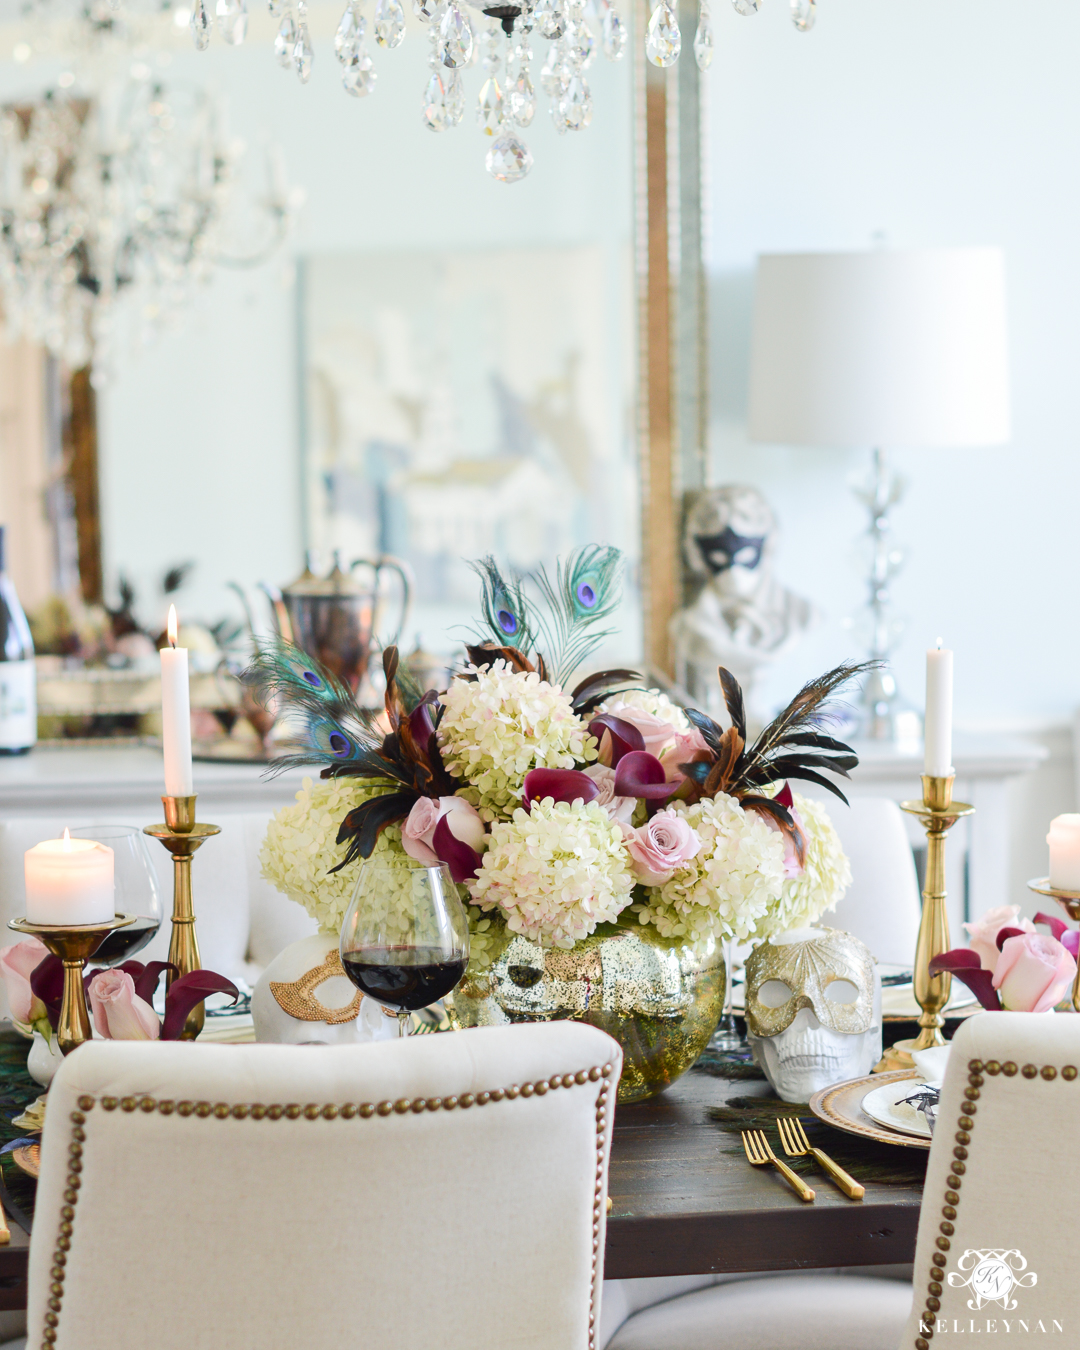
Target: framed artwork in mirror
<point x="463" y="403"/>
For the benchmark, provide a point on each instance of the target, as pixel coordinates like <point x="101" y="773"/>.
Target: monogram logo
<point x="992" y="1276"/>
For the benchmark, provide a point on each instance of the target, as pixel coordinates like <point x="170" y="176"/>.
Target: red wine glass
<point x="405" y="938"/>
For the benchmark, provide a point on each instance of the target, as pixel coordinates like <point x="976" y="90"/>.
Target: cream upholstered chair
<point x="441" y="1191"/>
<point x="1001" y="1190"/>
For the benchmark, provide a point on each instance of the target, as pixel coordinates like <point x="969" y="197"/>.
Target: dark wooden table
<point x="683" y="1204"/>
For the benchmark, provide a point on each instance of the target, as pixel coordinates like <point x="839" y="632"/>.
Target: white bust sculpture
<point x="813" y="1010"/>
<point x="743" y="617"/>
<point x="304" y="997"/>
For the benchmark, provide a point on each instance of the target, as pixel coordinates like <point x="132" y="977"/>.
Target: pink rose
<point x="685" y="749"/>
<point x="462" y="820"/>
<point x="1033" y="972"/>
<point x="982" y="934"/>
<point x="661" y="846"/>
<point x="656" y="733"/>
<point x="119" y="1013"/>
<point x="617" y="808"/>
<point x="17" y="964"/>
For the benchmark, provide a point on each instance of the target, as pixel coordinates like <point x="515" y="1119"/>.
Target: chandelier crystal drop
<point x="489" y="108"/>
<point x="201" y="24"/>
<point x="455" y="37"/>
<point x="358" y="77"/>
<point x="803" y="14"/>
<point x="663" y="41"/>
<point x="703" y="38"/>
<point x="303" y="55"/>
<point x="389" y="23"/>
<point x="746" y="7"/>
<point x="508" y="160"/>
<point x="348" y="35"/>
<point x="232" y="20"/>
<point x="285" y="41"/>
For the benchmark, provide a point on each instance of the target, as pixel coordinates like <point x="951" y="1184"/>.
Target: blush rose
<point x="1033" y="972"/>
<point x="982" y="934"/>
<point x="119" y="1013"/>
<point x="462" y="819"/>
<point x="17" y="963"/>
<point x="660" y="847"/>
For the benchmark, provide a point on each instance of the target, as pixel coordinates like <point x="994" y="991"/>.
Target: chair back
<point x="882" y="906"/>
<point x="444" y="1190"/>
<point x="994" y="1252"/>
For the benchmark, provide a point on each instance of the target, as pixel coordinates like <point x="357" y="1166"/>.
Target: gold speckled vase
<point x="660" y="999"/>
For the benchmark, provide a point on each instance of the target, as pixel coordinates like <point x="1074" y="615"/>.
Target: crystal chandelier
<point x="125" y="194"/>
<point x="506" y="102"/>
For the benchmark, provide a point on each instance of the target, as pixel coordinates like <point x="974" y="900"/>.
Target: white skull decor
<point x="813" y="1010"/>
<point x="304" y="997"/>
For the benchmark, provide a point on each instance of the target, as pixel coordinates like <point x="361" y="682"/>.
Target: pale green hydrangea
<point x="826" y="875"/>
<point x="556" y="872"/>
<point x="299" y="848"/>
<point x="728" y="888"/>
<point x="500" y="725"/>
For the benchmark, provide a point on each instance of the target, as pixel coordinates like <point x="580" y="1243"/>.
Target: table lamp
<point x="880" y="349"/>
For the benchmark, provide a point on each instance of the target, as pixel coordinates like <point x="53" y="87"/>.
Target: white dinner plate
<point x="880" y="1104"/>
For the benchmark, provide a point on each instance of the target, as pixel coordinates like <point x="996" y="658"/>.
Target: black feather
<point x="363" y="825"/>
<point x="733" y="699"/>
<point x="711" y="732"/>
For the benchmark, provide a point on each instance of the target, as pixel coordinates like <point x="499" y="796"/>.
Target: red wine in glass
<point x="403" y="978"/>
<point x="124" y="942"/>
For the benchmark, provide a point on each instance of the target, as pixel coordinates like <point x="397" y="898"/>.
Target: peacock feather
<point x="505" y="607"/>
<point x="586" y="590"/>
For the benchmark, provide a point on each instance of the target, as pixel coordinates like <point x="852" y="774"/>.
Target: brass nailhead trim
<point x="966" y="1123"/>
<point x="313" y="1111"/>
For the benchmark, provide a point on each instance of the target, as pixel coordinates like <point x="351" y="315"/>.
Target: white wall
<point x="935" y="124"/>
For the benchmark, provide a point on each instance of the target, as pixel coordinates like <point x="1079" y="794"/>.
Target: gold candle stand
<point x="1070" y="903"/>
<point x="182" y="836"/>
<point x="938" y="813"/>
<point x="74" y="944"/>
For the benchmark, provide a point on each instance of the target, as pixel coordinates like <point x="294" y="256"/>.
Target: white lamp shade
<point x="882" y="348"/>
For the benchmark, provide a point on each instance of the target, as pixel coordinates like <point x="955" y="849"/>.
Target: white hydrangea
<point x="825" y="877"/>
<point x="556" y="872"/>
<point x="651" y="701"/>
<point x="500" y="725"/>
<point x="299" y="848"/>
<point x="728" y="888"/>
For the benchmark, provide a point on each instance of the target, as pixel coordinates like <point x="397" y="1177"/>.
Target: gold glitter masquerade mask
<point x="299" y="999"/>
<point x="832" y="974"/>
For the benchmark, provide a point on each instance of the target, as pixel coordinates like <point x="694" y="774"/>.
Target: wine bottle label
<point x="18" y="704"/>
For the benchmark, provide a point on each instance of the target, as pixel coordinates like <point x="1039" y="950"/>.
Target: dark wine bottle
<point x="18" y="677"/>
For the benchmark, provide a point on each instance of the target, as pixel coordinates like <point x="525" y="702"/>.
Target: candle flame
<point x="172" y="626"/>
<point x="939" y="644"/>
<point x="67" y="839"/>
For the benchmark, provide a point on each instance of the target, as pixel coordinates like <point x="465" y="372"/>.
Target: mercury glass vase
<point x="659" y="999"/>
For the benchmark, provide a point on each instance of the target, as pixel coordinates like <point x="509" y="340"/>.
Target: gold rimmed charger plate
<point x="28" y="1158"/>
<point x="841" y="1106"/>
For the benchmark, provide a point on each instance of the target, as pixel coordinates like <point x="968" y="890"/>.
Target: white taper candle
<point x="176" y="715"/>
<point x="939" y="699"/>
<point x="1064" y="841"/>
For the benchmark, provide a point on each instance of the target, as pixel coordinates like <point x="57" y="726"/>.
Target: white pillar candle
<point x="1064" y="841"/>
<point x="69" y="881"/>
<point x="176" y="715"/>
<point x="938" y="725"/>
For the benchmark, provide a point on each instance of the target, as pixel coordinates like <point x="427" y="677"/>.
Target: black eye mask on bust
<point x="728" y="549"/>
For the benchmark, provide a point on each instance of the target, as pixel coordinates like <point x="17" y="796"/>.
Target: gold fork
<point x="760" y="1154"/>
<point x="796" y="1145"/>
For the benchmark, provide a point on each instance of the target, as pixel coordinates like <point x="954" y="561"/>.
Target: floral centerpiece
<point x="570" y="814"/>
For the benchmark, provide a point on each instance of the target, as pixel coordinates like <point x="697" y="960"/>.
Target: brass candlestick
<point x="182" y="836"/>
<point x="74" y="944"/>
<point x="1070" y="903"/>
<point x="938" y="813"/>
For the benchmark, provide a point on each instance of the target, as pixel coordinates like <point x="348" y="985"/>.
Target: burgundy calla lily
<point x="785" y="797"/>
<point x="562" y="785"/>
<point x="642" y="775"/>
<point x="967" y="967"/>
<point x="1003" y="935"/>
<point x="617" y="738"/>
<point x="1057" y="926"/>
<point x="183" y="994"/>
<point x="47" y="984"/>
<point x="462" y="860"/>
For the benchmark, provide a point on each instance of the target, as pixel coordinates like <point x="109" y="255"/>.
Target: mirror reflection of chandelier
<point x="128" y="195"/>
<point x="506" y="102"/>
